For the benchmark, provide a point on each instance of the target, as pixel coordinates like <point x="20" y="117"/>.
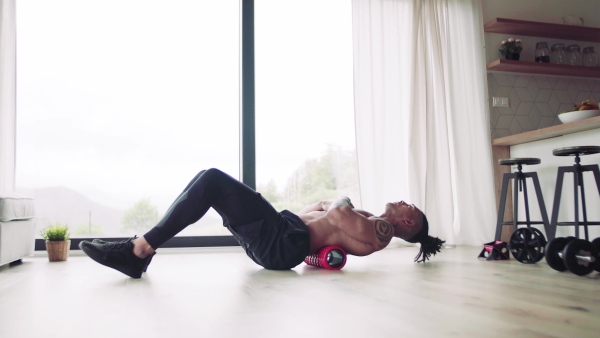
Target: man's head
<point x="411" y="224"/>
<point x="405" y="218"/>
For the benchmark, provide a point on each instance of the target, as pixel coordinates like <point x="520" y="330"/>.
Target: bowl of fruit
<point x="582" y="111"/>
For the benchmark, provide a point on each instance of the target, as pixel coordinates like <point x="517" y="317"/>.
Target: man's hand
<point x="319" y="206"/>
<point x="344" y="200"/>
<point x="341" y="202"/>
<point x="340" y="209"/>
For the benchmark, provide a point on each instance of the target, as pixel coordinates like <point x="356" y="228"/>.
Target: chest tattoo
<point x="383" y="230"/>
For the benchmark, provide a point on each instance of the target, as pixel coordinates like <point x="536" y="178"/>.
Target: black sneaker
<point x="116" y="255"/>
<point x="99" y="241"/>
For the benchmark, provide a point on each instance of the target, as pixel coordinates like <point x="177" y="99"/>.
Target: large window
<point x="120" y="103"/>
<point x="305" y="140"/>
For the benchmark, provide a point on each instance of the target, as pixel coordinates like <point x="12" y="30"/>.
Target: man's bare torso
<point x="323" y="233"/>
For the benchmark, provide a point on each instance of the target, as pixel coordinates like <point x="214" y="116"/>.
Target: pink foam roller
<point x="331" y="257"/>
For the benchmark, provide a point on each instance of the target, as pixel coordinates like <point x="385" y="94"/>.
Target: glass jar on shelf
<point x="589" y="58"/>
<point x="558" y="56"/>
<point x="574" y="55"/>
<point x="542" y="54"/>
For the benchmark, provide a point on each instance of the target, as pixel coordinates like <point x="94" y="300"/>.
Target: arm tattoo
<point x="383" y="230"/>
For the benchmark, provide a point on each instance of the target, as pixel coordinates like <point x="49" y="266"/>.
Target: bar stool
<point x="577" y="170"/>
<point x="520" y="184"/>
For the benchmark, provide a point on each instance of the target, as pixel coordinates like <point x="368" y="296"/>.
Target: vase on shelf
<point x="513" y="56"/>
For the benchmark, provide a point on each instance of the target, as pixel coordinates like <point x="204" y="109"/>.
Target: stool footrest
<point x="581" y="223"/>
<point x="522" y="222"/>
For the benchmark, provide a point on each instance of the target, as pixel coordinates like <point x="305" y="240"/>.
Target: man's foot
<point x="116" y="255"/>
<point x="99" y="241"/>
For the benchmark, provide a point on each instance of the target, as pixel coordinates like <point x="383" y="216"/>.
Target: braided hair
<point x="429" y="245"/>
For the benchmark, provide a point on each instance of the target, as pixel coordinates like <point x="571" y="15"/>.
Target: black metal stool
<point x="577" y="170"/>
<point x="527" y="244"/>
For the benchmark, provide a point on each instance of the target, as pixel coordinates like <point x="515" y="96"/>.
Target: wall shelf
<point x="541" y="29"/>
<point x="547" y="30"/>
<point x="513" y="66"/>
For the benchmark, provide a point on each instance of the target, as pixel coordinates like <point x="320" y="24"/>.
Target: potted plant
<point x="511" y="48"/>
<point x="57" y="241"/>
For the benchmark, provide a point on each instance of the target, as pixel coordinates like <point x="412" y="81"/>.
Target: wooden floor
<point x="219" y="292"/>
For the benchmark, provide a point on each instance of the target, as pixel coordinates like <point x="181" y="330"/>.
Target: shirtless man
<point x="274" y="240"/>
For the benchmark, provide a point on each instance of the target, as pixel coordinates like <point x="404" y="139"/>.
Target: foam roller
<point x="330" y="257"/>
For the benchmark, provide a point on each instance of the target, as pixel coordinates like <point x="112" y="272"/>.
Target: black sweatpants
<point x="274" y="240"/>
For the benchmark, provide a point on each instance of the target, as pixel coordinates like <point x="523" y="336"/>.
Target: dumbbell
<point x="577" y="255"/>
<point x="596" y="244"/>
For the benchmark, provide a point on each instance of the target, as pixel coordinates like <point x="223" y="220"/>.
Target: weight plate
<point x="526" y="246"/>
<point x="575" y="254"/>
<point x="551" y="252"/>
<point x="596" y="244"/>
<point x="542" y="238"/>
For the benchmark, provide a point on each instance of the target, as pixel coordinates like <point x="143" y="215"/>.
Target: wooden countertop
<point x="549" y="132"/>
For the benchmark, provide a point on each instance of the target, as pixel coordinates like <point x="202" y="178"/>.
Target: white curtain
<point x="7" y="95"/>
<point x="421" y="115"/>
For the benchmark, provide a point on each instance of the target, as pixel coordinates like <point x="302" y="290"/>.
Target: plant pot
<point x="58" y="250"/>
<point x="513" y="56"/>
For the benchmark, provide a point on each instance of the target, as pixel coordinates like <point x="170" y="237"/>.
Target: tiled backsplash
<point x="535" y="100"/>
